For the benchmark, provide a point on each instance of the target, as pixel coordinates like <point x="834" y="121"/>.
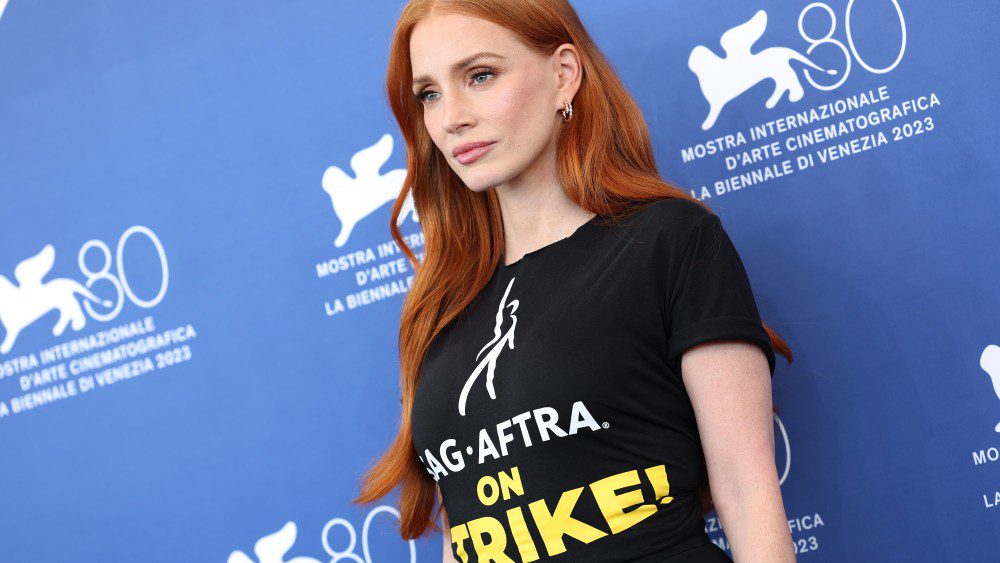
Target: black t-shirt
<point x="551" y="411"/>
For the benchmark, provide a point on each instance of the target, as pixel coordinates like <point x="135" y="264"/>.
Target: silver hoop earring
<point x="567" y="111"/>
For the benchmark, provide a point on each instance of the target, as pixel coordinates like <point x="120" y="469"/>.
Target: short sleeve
<point x="711" y="297"/>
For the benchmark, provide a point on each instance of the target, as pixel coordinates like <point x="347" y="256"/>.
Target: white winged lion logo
<point x="23" y="304"/>
<point x="724" y="78"/>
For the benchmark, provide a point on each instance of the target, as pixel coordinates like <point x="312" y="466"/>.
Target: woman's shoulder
<point x="668" y="218"/>
<point x="680" y="209"/>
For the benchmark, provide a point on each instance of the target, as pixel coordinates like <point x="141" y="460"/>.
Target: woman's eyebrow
<point x="425" y="79"/>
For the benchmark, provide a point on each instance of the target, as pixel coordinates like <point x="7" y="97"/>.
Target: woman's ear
<point x="569" y="73"/>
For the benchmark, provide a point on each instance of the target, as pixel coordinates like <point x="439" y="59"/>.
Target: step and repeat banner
<point x="199" y="295"/>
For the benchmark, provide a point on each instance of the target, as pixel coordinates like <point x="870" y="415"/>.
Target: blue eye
<point x="423" y="96"/>
<point x="474" y="76"/>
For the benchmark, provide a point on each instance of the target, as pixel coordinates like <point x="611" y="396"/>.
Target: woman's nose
<point x="456" y="113"/>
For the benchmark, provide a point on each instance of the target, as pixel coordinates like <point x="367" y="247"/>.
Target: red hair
<point x="605" y="164"/>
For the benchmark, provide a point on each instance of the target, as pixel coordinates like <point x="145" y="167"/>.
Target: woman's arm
<point x="729" y="384"/>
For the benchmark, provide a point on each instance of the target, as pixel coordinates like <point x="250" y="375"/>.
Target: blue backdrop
<point x="200" y="311"/>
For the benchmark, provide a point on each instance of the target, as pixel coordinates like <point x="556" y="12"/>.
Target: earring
<point x="567" y="111"/>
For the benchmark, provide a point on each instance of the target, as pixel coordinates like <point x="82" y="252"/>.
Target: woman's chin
<point x="478" y="184"/>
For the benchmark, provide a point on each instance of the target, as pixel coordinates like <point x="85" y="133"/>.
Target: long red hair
<point x="606" y="165"/>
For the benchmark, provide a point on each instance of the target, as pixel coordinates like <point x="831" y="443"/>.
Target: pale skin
<point x="517" y="102"/>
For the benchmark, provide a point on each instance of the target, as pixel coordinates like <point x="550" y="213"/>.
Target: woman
<point x="581" y="352"/>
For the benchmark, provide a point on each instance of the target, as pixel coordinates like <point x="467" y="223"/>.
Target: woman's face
<point x="510" y="99"/>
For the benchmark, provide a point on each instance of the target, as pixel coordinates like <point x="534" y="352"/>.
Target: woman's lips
<point x="472" y="155"/>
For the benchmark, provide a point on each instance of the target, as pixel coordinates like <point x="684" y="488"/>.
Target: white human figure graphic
<point x="724" y="78"/>
<point x="495" y="346"/>
<point x="990" y="362"/>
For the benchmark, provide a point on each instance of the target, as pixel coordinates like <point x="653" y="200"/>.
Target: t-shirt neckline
<point x="541" y="250"/>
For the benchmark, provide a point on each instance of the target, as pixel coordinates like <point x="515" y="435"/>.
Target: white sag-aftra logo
<point x="355" y="198"/>
<point x="493" y="348"/>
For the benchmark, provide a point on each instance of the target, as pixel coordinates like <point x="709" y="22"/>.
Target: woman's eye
<point x="478" y="74"/>
<point x="425" y="96"/>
